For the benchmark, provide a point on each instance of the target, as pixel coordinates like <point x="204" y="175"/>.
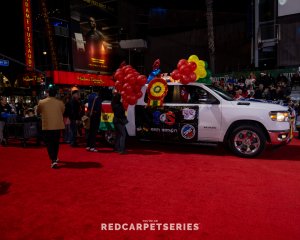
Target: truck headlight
<point x="280" y="116"/>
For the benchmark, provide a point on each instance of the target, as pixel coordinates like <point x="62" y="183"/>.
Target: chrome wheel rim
<point x="247" y="142"/>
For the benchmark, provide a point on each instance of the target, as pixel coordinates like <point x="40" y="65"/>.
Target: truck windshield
<point x="222" y="93"/>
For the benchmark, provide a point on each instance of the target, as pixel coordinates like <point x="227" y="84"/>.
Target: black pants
<point x="74" y="131"/>
<point x="94" y="128"/>
<point x="120" y="137"/>
<point x="51" y="139"/>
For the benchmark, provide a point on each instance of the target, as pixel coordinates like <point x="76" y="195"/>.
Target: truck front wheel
<point x="247" y="141"/>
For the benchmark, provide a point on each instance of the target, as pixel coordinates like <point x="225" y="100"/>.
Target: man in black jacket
<point x="120" y="121"/>
<point x="74" y="109"/>
<point x="94" y="110"/>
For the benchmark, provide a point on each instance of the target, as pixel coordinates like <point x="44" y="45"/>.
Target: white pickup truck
<point x="203" y="114"/>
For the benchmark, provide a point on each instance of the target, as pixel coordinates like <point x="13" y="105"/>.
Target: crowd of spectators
<point x="263" y="87"/>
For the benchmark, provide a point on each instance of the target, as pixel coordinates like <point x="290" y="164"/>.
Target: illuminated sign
<point x="4" y="63"/>
<point x="92" y="44"/>
<point x="81" y="79"/>
<point x="99" y="5"/>
<point x="29" y="59"/>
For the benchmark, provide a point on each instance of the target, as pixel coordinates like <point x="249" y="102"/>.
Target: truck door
<point x="184" y="116"/>
<point x="209" y="114"/>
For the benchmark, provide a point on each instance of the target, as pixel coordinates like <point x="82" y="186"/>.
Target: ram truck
<point x="203" y="114"/>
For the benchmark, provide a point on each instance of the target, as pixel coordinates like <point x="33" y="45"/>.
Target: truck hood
<point x="260" y="104"/>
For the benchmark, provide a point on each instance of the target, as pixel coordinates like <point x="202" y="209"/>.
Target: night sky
<point x="11" y="43"/>
<point x="11" y="21"/>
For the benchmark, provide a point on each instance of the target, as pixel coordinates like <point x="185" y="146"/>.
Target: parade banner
<point x="168" y="123"/>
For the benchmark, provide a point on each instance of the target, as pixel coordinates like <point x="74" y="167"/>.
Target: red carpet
<point x="229" y="197"/>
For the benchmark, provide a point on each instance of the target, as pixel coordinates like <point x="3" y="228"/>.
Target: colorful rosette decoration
<point x="157" y="90"/>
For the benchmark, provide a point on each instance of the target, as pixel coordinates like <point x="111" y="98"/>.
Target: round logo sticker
<point x="168" y="118"/>
<point x="188" y="131"/>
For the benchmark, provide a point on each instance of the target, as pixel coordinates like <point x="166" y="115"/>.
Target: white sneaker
<point x="88" y="148"/>
<point x="93" y="150"/>
<point x="54" y="165"/>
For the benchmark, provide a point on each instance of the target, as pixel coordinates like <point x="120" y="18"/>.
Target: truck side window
<point x="171" y="97"/>
<point x="187" y="94"/>
<point x="174" y="94"/>
<point x="168" y="98"/>
<point x="200" y="95"/>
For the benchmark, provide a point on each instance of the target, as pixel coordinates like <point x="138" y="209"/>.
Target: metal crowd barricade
<point x="23" y="129"/>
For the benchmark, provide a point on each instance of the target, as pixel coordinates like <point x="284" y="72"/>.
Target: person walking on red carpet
<point x="52" y="110"/>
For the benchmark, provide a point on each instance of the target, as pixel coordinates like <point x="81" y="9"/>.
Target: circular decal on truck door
<point x="188" y="131"/>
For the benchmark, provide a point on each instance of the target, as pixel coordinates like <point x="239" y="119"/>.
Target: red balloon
<point x="126" y="78"/>
<point x="125" y="85"/>
<point x="185" y="79"/>
<point x="132" y="80"/>
<point x="125" y="105"/>
<point x="123" y="94"/>
<point x="141" y="80"/>
<point x="192" y="66"/>
<point x="193" y="77"/>
<point x="119" y="75"/>
<point x="185" y="70"/>
<point x="118" y="86"/>
<point x="139" y="95"/>
<point x="182" y="62"/>
<point x="128" y="90"/>
<point x="175" y="74"/>
<point x="129" y="70"/>
<point x="123" y="68"/>
<point x="132" y="100"/>
<point x="135" y="73"/>
<point x="136" y="88"/>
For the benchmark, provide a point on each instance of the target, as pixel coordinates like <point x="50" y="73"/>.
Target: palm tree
<point x="210" y="34"/>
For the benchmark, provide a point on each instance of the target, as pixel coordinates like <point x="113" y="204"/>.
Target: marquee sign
<point x="81" y="79"/>
<point x="28" y="38"/>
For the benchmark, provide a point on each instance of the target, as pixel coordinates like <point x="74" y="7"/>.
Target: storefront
<point x="86" y="82"/>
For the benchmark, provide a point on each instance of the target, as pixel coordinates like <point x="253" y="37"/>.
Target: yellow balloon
<point x="197" y="72"/>
<point x="193" y="58"/>
<point x="201" y="63"/>
<point x="201" y="72"/>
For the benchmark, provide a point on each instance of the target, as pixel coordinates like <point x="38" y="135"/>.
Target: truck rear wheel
<point x="247" y="141"/>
